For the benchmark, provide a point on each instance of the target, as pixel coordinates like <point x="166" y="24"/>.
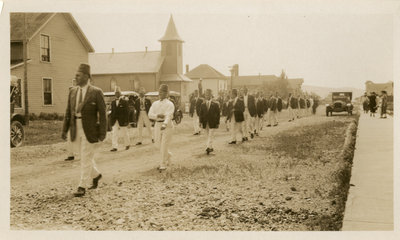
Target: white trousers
<point x="72" y="147"/>
<point x="292" y="114"/>
<point x="143" y="119"/>
<point x="86" y="151"/>
<point x="117" y="131"/>
<point x="210" y="136"/>
<point x="236" y="128"/>
<point x="259" y="122"/>
<point x="162" y="140"/>
<point x="248" y="125"/>
<point x="196" y="122"/>
<point x="272" y="117"/>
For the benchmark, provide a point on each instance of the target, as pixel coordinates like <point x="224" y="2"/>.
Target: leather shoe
<point x="127" y="148"/>
<point x="208" y="150"/>
<point x="96" y="182"/>
<point x="139" y="143"/>
<point x="113" y="150"/>
<point x="196" y="133"/>
<point x="152" y="140"/>
<point x="251" y="135"/>
<point x="233" y="142"/>
<point x="269" y="125"/>
<point x="70" y="158"/>
<point x="80" y="192"/>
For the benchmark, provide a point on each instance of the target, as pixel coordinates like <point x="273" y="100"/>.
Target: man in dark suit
<point x="194" y="110"/>
<point x="209" y="118"/>
<point x="119" y="120"/>
<point x="291" y="107"/>
<point x="85" y="118"/>
<point x="272" y="115"/>
<point x="142" y="106"/>
<point x="235" y="116"/>
<point x="249" y="113"/>
<point x="260" y="112"/>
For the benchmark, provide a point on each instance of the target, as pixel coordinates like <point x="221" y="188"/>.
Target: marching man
<point x="249" y="114"/>
<point x="291" y="106"/>
<point x="142" y="106"/>
<point x="119" y="120"/>
<point x="209" y="118"/>
<point x="194" y="110"/>
<point x="162" y="111"/>
<point x="260" y="112"/>
<point x="85" y="118"/>
<point x="272" y="112"/>
<point x="235" y="116"/>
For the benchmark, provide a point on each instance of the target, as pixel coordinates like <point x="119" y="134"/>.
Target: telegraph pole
<point x="25" y="50"/>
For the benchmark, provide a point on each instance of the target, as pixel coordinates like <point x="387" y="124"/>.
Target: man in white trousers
<point x="249" y="114"/>
<point x="142" y="106"/>
<point x="209" y="118"/>
<point x="162" y="111"/>
<point x="194" y="110"/>
<point x="85" y="119"/>
<point x="119" y="120"/>
<point x="260" y="105"/>
<point x="291" y="107"/>
<point x="272" y="111"/>
<point x="236" y="116"/>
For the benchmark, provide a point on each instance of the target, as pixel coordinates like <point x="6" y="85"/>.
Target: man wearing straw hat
<point x="85" y="118"/>
<point x="162" y="111"/>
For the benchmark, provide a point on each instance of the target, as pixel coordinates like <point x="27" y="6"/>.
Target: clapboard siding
<point x="127" y="82"/>
<point x="67" y="52"/>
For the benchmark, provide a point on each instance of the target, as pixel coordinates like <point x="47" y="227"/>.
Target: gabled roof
<point x="125" y="62"/>
<point x="36" y="21"/>
<point x="174" y="77"/>
<point x="205" y="71"/>
<point x="171" y="34"/>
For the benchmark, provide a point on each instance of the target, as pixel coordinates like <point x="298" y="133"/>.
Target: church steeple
<point x="171" y="34"/>
<point x="171" y="50"/>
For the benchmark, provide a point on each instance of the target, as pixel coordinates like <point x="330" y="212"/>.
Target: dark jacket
<point x="237" y="110"/>
<point x="195" y="105"/>
<point x="225" y="110"/>
<point x="251" y="105"/>
<point x="93" y="113"/>
<point x="292" y="103"/>
<point x="209" y="116"/>
<point x="272" y="102"/>
<point x="260" y="105"/>
<point x="120" y="113"/>
<point x="147" y="105"/>
<point x="279" y="104"/>
<point x="302" y="103"/>
<point x="266" y="105"/>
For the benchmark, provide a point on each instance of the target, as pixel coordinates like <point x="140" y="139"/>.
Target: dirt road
<point x="268" y="183"/>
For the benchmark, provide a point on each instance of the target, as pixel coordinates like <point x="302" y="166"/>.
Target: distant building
<point x="209" y="77"/>
<point x="254" y="82"/>
<point x="378" y="87"/>
<point x="56" y="46"/>
<point x="148" y="69"/>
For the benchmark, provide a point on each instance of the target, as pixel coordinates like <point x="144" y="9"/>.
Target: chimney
<point x="187" y="68"/>
<point x="146" y="49"/>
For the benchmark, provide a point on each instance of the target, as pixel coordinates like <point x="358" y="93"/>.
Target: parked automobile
<point x="17" y="119"/>
<point x="131" y="96"/>
<point x="175" y="97"/>
<point x="341" y="102"/>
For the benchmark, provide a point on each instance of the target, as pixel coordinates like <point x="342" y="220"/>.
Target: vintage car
<point x="17" y="119"/>
<point x="131" y="96"/>
<point x="175" y="97"/>
<point x="341" y="102"/>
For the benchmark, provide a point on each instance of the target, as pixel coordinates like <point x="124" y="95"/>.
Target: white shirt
<point x="245" y="100"/>
<point x="84" y="90"/>
<point x="165" y="107"/>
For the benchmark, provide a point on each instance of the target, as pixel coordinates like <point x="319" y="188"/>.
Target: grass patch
<point x="42" y="132"/>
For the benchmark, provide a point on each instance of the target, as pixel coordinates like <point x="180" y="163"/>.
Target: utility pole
<point x="25" y="50"/>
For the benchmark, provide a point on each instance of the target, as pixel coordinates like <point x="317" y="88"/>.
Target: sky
<point x="332" y="44"/>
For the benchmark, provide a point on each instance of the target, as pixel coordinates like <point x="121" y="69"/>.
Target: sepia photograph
<point x="232" y="117"/>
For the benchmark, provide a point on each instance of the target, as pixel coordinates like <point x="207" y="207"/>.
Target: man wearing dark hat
<point x="85" y="118"/>
<point x="162" y="111"/>
<point x="142" y="106"/>
<point x="236" y="116"/>
<point x="209" y="118"/>
<point x="120" y="120"/>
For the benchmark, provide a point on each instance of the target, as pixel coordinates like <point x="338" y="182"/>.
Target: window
<point x="45" y="48"/>
<point x="47" y="91"/>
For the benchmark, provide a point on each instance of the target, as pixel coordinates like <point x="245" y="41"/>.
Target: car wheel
<point x="17" y="134"/>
